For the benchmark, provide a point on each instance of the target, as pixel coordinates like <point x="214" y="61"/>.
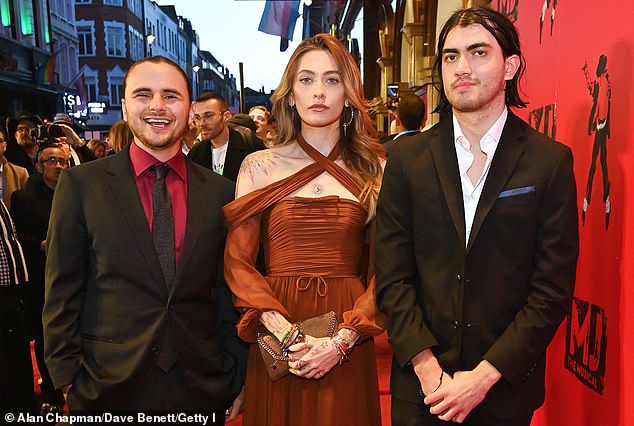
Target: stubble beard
<point x="154" y="142"/>
<point x="26" y="142"/>
<point x="475" y="102"/>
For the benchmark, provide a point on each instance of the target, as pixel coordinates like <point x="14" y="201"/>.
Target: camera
<point x="392" y="96"/>
<point x="46" y="132"/>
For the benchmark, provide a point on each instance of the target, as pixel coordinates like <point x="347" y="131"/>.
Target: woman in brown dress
<point x="310" y="200"/>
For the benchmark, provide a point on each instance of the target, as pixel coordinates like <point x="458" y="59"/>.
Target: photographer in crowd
<point x="21" y="140"/>
<point x="76" y="147"/>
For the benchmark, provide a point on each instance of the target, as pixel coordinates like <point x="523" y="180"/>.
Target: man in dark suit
<point x="410" y="118"/>
<point x="221" y="148"/>
<point x="31" y="209"/>
<point x="134" y="320"/>
<point x="477" y="241"/>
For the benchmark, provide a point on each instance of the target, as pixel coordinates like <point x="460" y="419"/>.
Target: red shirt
<point x="176" y="181"/>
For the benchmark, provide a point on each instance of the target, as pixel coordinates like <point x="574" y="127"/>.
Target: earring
<point x="291" y="100"/>
<point x="297" y="121"/>
<point x="349" y="122"/>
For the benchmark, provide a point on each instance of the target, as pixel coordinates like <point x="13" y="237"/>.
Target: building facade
<point x="27" y="66"/>
<point x="111" y="38"/>
<point x="215" y="77"/>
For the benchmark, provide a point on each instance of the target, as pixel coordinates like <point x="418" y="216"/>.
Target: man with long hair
<point x="477" y="241"/>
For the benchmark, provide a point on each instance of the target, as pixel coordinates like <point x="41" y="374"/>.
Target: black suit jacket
<point x="107" y="310"/>
<point x="499" y="296"/>
<point x="30" y="210"/>
<point x="236" y="151"/>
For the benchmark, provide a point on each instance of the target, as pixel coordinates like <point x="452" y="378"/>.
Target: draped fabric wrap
<point x="316" y="253"/>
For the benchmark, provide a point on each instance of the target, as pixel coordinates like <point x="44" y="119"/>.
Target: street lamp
<point x="150" y="39"/>
<point x="196" y="84"/>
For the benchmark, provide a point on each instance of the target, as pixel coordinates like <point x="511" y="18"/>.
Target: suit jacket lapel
<point x="196" y="212"/>
<point x="125" y="191"/>
<point x="507" y="154"/>
<point x="446" y="161"/>
<point x="236" y="151"/>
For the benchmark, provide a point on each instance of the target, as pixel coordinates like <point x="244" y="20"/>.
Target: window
<point x="69" y="9"/>
<point x="113" y="2"/>
<point x="83" y="1"/>
<point x="27" y="19"/>
<point x="86" y="35"/>
<point x="115" y="39"/>
<point x="116" y="90"/>
<point x="115" y="85"/>
<point x="5" y="13"/>
<point x="136" y="7"/>
<point x="136" y="44"/>
<point x="92" y="82"/>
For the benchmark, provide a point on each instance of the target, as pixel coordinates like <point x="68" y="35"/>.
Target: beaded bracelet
<point x="290" y="336"/>
<point x="343" y="350"/>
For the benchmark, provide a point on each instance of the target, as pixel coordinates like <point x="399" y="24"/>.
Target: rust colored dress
<point x="314" y="252"/>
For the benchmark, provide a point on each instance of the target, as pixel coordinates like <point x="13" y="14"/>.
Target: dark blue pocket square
<point x="517" y="191"/>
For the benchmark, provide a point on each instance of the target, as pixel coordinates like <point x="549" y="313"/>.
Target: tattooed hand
<point x="319" y="356"/>
<point x="275" y="323"/>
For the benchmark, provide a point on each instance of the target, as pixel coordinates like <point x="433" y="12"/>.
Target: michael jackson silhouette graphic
<point x="599" y="124"/>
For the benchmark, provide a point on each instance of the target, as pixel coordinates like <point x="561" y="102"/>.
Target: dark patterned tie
<point x="163" y="233"/>
<point x="163" y="224"/>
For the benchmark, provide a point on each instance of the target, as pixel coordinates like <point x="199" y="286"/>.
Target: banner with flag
<point x="279" y="18"/>
<point x="46" y="72"/>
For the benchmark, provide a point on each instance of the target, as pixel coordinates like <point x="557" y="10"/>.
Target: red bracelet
<point x="343" y="350"/>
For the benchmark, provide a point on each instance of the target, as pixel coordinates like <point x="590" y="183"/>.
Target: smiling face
<point x="474" y="70"/>
<point x="156" y="107"/>
<point x="318" y="90"/>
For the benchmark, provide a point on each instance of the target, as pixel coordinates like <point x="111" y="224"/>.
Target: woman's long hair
<point x="360" y="149"/>
<point x="119" y="136"/>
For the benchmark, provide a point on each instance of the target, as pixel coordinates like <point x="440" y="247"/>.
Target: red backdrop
<point x="590" y="374"/>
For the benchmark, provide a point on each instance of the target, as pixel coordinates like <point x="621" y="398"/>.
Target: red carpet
<point x="383" y="362"/>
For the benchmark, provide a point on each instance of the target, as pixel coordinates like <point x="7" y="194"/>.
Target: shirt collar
<point x="142" y="160"/>
<point x="491" y="137"/>
<point x="405" y="133"/>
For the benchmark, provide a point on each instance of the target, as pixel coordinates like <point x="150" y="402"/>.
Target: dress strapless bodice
<point x="313" y="236"/>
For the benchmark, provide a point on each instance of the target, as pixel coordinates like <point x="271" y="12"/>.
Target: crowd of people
<point x="148" y="268"/>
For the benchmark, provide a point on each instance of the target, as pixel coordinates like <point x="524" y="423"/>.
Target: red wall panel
<point x="590" y="374"/>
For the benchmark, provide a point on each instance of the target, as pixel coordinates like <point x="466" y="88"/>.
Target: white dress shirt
<point x="489" y="143"/>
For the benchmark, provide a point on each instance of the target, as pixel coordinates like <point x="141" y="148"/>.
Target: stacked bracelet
<point x="343" y="350"/>
<point x="290" y="336"/>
